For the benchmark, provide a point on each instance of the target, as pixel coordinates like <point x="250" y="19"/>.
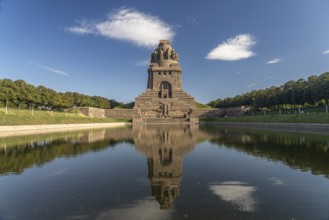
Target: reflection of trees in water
<point x="38" y="150"/>
<point x="165" y="147"/>
<point x="308" y="152"/>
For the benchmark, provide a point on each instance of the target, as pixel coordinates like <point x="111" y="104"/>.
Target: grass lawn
<point x="321" y="118"/>
<point x="26" y="117"/>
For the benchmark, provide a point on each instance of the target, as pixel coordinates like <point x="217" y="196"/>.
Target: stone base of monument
<point x="176" y="109"/>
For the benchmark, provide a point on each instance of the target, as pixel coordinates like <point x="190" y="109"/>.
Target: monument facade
<point x="165" y="100"/>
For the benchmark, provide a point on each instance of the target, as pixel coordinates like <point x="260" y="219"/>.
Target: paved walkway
<point x="306" y="127"/>
<point x="31" y="129"/>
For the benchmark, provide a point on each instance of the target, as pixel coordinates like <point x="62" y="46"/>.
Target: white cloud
<point x="142" y="63"/>
<point x="130" y="25"/>
<point x="235" y="48"/>
<point x="53" y="70"/>
<point x="84" y="27"/>
<point x="326" y="52"/>
<point x="236" y="193"/>
<point x="273" y="61"/>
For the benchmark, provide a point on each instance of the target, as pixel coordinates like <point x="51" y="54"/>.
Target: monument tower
<point x="164" y="100"/>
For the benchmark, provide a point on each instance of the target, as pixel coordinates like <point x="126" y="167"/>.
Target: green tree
<point x="8" y="92"/>
<point x="313" y="90"/>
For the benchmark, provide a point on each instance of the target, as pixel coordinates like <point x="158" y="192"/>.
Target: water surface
<point x="165" y="172"/>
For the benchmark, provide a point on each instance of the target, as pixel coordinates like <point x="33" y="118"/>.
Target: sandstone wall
<point x="216" y="112"/>
<point x="121" y="113"/>
<point x="92" y="112"/>
<point x="108" y="113"/>
<point x="234" y="111"/>
<point x="207" y="112"/>
<point x="149" y="105"/>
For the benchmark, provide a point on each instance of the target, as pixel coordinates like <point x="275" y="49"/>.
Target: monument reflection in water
<point x="165" y="172"/>
<point x="165" y="148"/>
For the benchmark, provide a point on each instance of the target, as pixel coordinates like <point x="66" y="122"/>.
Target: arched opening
<point x="165" y="90"/>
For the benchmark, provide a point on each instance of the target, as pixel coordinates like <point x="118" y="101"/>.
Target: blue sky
<point x="101" y="47"/>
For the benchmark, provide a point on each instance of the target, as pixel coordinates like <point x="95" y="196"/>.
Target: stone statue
<point x="160" y="54"/>
<point x="168" y="53"/>
<point x="139" y="110"/>
<point x="165" y="110"/>
<point x="176" y="57"/>
<point x="154" y="56"/>
<point x="172" y="54"/>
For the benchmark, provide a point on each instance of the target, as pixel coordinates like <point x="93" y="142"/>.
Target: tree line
<point x="312" y="91"/>
<point x="20" y="94"/>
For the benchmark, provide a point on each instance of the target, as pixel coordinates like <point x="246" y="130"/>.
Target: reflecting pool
<point x="165" y="172"/>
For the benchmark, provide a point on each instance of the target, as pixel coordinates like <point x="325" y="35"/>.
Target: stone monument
<point x="165" y="100"/>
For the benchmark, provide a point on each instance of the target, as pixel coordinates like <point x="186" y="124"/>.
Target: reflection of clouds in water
<point x="237" y="193"/>
<point x="142" y="209"/>
<point x="276" y="181"/>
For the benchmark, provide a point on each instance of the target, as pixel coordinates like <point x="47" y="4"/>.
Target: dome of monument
<point x="165" y="45"/>
<point x="164" y="55"/>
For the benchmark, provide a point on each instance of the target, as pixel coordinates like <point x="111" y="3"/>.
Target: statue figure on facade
<point x="168" y="53"/>
<point x="139" y="111"/>
<point x="172" y="54"/>
<point x="154" y="56"/>
<point x="176" y="57"/>
<point x="188" y="114"/>
<point x="164" y="110"/>
<point x="160" y="54"/>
